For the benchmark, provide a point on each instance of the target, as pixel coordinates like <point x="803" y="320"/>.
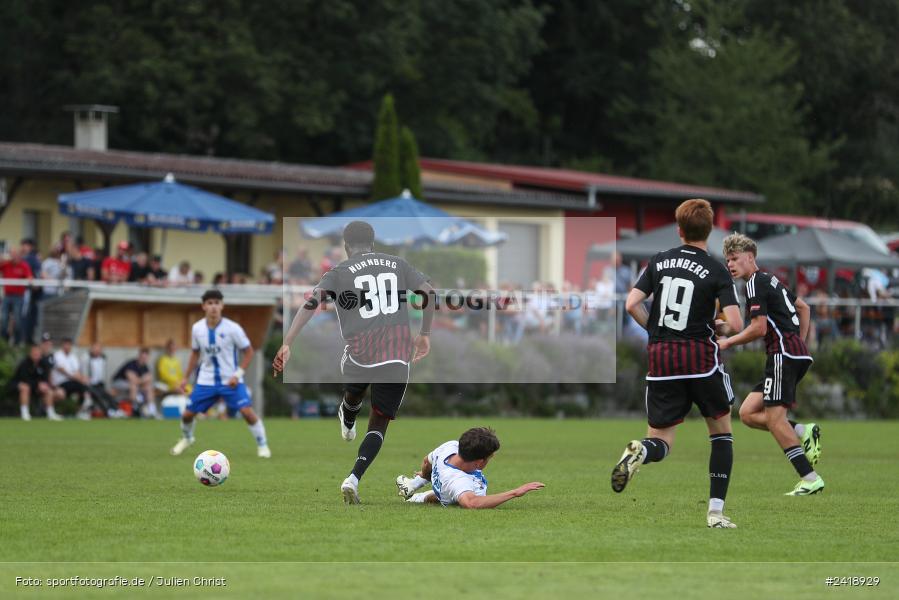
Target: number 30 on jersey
<point x="379" y="295"/>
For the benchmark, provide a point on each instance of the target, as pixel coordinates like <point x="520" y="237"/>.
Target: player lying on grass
<point x="783" y="320"/>
<point x="216" y="343"/>
<point x="454" y="471"/>
<point x="684" y="363"/>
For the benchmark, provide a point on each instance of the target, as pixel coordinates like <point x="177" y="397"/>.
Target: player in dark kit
<point x="685" y="366"/>
<point x="371" y="291"/>
<point x="783" y="320"/>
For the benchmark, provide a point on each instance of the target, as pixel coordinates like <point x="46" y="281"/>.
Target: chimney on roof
<point x="91" y="132"/>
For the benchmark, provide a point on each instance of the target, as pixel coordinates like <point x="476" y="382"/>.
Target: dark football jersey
<point x="684" y="283"/>
<point x="371" y="294"/>
<point x="766" y="296"/>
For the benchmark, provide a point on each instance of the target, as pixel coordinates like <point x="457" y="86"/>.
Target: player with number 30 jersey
<point x="371" y="291"/>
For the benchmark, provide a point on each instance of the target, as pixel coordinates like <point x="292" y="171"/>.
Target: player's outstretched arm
<point x="734" y="318"/>
<point x="470" y="500"/>
<point x="635" y="307"/>
<point x="299" y="321"/>
<point x="756" y="329"/>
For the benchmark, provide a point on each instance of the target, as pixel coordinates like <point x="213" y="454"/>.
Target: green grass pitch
<point x="104" y="498"/>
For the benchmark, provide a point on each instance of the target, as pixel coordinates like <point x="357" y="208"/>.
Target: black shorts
<point x="71" y="386"/>
<point x="782" y="375"/>
<point x="388" y="384"/>
<point x="668" y="401"/>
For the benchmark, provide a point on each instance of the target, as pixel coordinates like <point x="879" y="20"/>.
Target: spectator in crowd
<point x="96" y="379"/>
<point x="332" y="258"/>
<point x="274" y="271"/>
<point x="117" y="269"/>
<point x="34" y="294"/>
<point x="30" y="381"/>
<point x="66" y="374"/>
<point x="605" y="299"/>
<point x="158" y="275"/>
<point x="55" y="268"/>
<point x="574" y="312"/>
<point x="99" y="257"/>
<point x="181" y="274"/>
<point x="83" y="249"/>
<point x="199" y="278"/>
<point x="134" y="377"/>
<point x="11" y="309"/>
<point x="82" y="265"/>
<point x="140" y="268"/>
<point x="64" y="245"/>
<point x="238" y="278"/>
<point x="169" y="372"/>
<point x="300" y="269"/>
<point x="218" y="279"/>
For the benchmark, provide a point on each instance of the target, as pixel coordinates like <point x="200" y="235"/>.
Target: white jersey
<point x="449" y="482"/>
<point x="219" y="350"/>
<point x="69" y="362"/>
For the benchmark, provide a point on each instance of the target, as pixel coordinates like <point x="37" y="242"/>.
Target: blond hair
<point x="737" y="243"/>
<point x="694" y="217"/>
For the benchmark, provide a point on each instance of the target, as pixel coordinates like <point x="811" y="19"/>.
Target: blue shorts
<point x="204" y="396"/>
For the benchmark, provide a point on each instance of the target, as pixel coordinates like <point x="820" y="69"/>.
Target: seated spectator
<point x="169" y="373"/>
<point x="66" y="373"/>
<point x="218" y="279"/>
<point x="199" y="278"/>
<point x="96" y="379"/>
<point x="135" y="378"/>
<point x="29" y="381"/>
<point x="181" y="275"/>
<point x="117" y="269"/>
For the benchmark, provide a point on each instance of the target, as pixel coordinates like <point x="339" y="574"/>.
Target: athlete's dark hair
<point x="212" y="295"/>
<point x="359" y="234"/>
<point x="478" y="443"/>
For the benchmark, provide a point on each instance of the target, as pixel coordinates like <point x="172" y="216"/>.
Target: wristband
<point x="239" y="373"/>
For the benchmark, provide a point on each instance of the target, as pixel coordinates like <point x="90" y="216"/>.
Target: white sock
<point x="799" y="428"/>
<point x="187" y="430"/>
<point x="355" y="480"/>
<point x="258" y="431"/>
<point x="716" y="505"/>
<point x="419" y="482"/>
<point x="810" y="477"/>
<point x="25" y="411"/>
<point x="51" y="411"/>
<point x="151" y="409"/>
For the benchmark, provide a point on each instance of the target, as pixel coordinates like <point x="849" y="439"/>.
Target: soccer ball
<point x="212" y="468"/>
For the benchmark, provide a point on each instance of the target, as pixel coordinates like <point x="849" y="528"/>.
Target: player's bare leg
<point x="653" y="448"/>
<point x="258" y="431"/>
<point x="752" y="412"/>
<point x="187" y="433"/>
<point x="25" y="401"/>
<point x="368" y="451"/>
<point x="721" y="462"/>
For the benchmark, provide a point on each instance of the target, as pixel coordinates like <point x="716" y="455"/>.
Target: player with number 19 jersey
<point x="685" y="283"/>
<point x="371" y="295"/>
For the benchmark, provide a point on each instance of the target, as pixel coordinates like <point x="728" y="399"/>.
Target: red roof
<point x="579" y="181"/>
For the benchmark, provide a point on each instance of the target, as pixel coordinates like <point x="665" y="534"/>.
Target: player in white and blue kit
<point x="455" y="472"/>
<point x="223" y="351"/>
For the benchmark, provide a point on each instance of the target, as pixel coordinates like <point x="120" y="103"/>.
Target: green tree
<point x="410" y="171"/>
<point x="387" y="181"/>
<point x="725" y="111"/>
